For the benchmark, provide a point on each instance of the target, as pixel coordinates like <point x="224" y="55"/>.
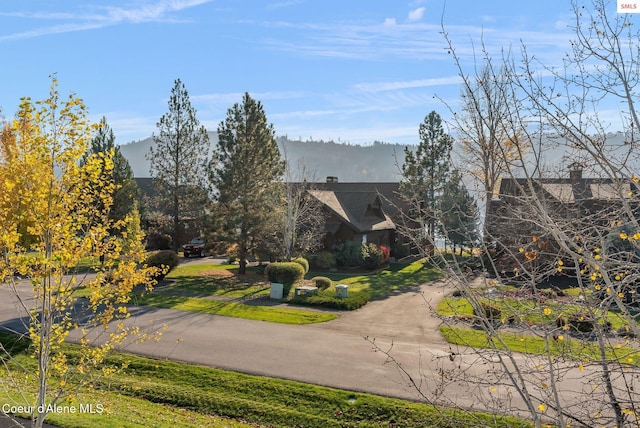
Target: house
<point x="582" y="207"/>
<point x="362" y="212"/>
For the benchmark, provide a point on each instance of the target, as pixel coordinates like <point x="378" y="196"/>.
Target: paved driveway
<point x="335" y="353"/>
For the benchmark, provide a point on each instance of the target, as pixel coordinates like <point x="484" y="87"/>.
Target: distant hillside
<point x="350" y="163"/>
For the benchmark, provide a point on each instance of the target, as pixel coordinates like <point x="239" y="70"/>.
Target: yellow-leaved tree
<point x="60" y="258"/>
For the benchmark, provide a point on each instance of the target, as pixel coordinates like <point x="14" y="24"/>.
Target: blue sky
<point x="352" y="70"/>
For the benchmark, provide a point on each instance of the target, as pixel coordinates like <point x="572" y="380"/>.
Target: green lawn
<point x="525" y="311"/>
<point x="578" y="350"/>
<point x="191" y="286"/>
<point x="147" y="392"/>
<point x="528" y="312"/>
<point x="233" y="309"/>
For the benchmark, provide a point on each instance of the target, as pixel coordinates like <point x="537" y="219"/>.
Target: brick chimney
<point x="580" y="187"/>
<point x="575" y="172"/>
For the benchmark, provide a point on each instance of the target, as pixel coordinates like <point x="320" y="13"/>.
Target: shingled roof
<point x="570" y="190"/>
<point x="365" y="206"/>
<point x="362" y="210"/>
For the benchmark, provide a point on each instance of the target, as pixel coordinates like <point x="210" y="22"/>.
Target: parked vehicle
<point x="195" y="247"/>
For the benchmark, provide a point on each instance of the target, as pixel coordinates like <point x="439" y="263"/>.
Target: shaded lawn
<point x="382" y="283"/>
<point x="189" y="285"/>
<point x="204" y="280"/>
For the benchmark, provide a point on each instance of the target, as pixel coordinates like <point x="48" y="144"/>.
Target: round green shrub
<point x="286" y="273"/>
<point x="325" y="260"/>
<point x="158" y="241"/>
<point x="302" y="262"/>
<point x="322" y="282"/>
<point x="165" y="260"/>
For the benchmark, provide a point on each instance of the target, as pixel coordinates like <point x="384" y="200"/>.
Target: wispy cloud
<point x="283" y="4"/>
<point x="227" y="99"/>
<point x="56" y="29"/>
<point x="389" y="22"/>
<point x="104" y="16"/>
<point x="411" y="40"/>
<point x="416" y="14"/>
<point x="421" y="83"/>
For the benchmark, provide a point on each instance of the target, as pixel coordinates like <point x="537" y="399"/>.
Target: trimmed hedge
<point x="302" y="262"/>
<point x="322" y="282"/>
<point x="328" y="299"/>
<point x="165" y="260"/>
<point x="286" y="273"/>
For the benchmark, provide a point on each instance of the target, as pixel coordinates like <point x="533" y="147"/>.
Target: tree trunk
<point x="242" y="255"/>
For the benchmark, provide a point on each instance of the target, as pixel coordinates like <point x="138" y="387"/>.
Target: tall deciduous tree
<point x="125" y="193"/>
<point x="303" y="220"/>
<point x="53" y="215"/>
<point x="245" y="169"/>
<point x="177" y="161"/>
<point x="490" y="145"/>
<point x="425" y="173"/>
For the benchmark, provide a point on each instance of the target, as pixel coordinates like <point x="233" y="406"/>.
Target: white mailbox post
<point x="277" y="290"/>
<point x="342" y="291"/>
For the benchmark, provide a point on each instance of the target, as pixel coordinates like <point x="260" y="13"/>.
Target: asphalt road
<point x="391" y="347"/>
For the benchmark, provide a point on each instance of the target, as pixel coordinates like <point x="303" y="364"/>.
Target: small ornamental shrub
<point x="165" y="260"/>
<point x="158" y="241"/>
<point x="325" y="261"/>
<point x="286" y="273"/>
<point x="322" y="282"/>
<point x="488" y="311"/>
<point x="372" y="256"/>
<point x="302" y="262"/>
<point x="386" y="252"/>
<point x="348" y="254"/>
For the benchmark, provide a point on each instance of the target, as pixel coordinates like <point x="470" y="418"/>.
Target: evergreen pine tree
<point x="125" y="193"/>
<point x="177" y="161"/>
<point x="459" y="213"/>
<point x="425" y="173"/>
<point x="245" y="170"/>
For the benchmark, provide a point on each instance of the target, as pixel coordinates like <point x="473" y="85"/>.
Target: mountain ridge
<point x="350" y="163"/>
